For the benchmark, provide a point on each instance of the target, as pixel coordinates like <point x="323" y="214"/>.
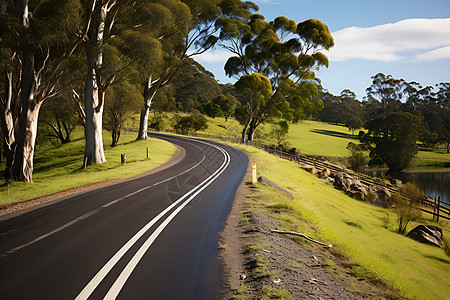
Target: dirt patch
<point x="261" y="264"/>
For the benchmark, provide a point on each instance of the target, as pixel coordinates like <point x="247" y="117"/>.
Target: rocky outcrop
<point x="427" y="234"/>
<point x="375" y="194"/>
<point x="381" y="195"/>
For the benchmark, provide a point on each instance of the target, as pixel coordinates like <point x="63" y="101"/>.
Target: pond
<point x="433" y="184"/>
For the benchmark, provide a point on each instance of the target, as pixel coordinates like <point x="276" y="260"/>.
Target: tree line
<point x="106" y="58"/>
<point x="396" y="115"/>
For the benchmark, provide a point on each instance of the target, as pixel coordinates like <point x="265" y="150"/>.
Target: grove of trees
<point x="396" y="114"/>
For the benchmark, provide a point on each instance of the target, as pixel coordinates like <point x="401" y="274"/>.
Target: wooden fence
<point x="429" y="205"/>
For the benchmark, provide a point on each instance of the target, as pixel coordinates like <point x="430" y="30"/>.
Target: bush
<point x="406" y="206"/>
<point x="189" y="124"/>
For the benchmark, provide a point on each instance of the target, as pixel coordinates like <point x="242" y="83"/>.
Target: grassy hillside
<point x="318" y="139"/>
<point x="57" y="169"/>
<point x="364" y="233"/>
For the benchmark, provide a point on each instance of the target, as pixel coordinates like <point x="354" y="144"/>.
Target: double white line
<point x="181" y="203"/>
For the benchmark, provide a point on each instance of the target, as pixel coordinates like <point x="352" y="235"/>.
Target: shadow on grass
<point x="442" y="260"/>
<point x="335" y="134"/>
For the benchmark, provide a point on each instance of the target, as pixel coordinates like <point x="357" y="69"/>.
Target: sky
<point x="408" y="39"/>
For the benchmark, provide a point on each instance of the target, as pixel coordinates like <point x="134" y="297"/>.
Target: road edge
<point x="13" y="210"/>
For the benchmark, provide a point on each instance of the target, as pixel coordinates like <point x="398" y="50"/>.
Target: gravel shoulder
<point x="261" y="264"/>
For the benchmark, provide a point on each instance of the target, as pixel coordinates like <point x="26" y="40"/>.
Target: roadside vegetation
<point x="60" y="168"/>
<point x="365" y="234"/>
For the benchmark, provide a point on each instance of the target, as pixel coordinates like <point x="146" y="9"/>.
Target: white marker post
<point x="254" y="176"/>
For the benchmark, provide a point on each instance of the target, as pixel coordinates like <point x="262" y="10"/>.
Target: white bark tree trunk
<point x="22" y="165"/>
<point x="93" y="101"/>
<point x="149" y="93"/>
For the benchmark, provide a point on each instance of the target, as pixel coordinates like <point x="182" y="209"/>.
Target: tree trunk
<point x="244" y="131"/>
<point x="93" y="100"/>
<point x="7" y="123"/>
<point x="143" y="124"/>
<point x="22" y="164"/>
<point x="149" y="92"/>
<point x="251" y="130"/>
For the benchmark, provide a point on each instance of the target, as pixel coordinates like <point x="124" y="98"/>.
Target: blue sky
<point x="407" y="39"/>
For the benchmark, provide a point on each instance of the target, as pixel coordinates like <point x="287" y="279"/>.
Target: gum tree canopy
<point x="282" y="51"/>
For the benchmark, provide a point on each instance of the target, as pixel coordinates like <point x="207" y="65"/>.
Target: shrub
<point x="406" y="206"/>
<point x="189" y="124"/>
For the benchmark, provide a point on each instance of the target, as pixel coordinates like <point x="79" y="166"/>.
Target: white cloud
<point x="394" y="41"/>
<point x="441" y="53"/>
<point x="213" y="56"/>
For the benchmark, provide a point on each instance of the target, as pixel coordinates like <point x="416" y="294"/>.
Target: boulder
<point x="325" y="172"/>
<point x="427" y="234"/>
<point x="381" y="195"/>
<point x="358" y="189"/>
<point x="310" y="169"/>
<point x="342" y="181"/>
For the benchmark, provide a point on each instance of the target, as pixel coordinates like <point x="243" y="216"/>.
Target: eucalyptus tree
<point x="37" y="39"/>
<point x="388" y="92"/>
<point x="104" y="62"/>
<point x="282" y="51"/>
<point x="184" y="29"/>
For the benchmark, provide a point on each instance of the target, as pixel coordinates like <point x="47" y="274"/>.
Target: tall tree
<point x="37" y="38"/>
<point x="255" y="90"/>
<point x="189" y="31"/>
<point x="393" y="139"/>
<point x="388" y="92"/>
<point x="282" y="51"/>
<point x="103" y="63"/>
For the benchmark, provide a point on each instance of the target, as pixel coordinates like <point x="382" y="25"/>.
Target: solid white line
<point x="123" y="277"/>
<point x="95" y="281"/>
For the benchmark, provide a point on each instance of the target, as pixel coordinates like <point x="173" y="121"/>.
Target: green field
<point x="317" y="139"/>
<point x="60" y="168"/>
<point x="364" y="233"/>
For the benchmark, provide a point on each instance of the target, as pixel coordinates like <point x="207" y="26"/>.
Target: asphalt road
<point x="154" y="237"/>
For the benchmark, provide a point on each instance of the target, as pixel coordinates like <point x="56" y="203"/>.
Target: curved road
<point x="153" y="237"/>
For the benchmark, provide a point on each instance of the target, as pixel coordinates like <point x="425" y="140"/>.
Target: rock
<point x="427" y="234"/>
<point x="310" y="169"/>
<point x="341" y="181"/>
<point x="358" y="189"/>
<point x="326" y="172"/>
<point x="381" y="195"/>
<point x="396" y="182"/>
<point x="327" y="179"/>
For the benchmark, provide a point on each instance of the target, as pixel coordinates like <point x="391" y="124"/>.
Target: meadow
<point x="319" y="139"/>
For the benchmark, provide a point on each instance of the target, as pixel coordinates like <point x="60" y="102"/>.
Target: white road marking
<point x="118" y="284"/>
<point x="88" y="214"/>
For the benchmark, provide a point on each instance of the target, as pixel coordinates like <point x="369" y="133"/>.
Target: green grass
<point x="59" y="168"/>
<point x="357" y="229"/>
<point x="317" y="139"/>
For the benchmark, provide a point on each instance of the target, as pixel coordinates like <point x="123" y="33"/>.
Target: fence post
<point x="438" y="208"/>
<point x="147" y="152"/>
<point x="281" y="152"/>
<point x="254" y="176"/>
